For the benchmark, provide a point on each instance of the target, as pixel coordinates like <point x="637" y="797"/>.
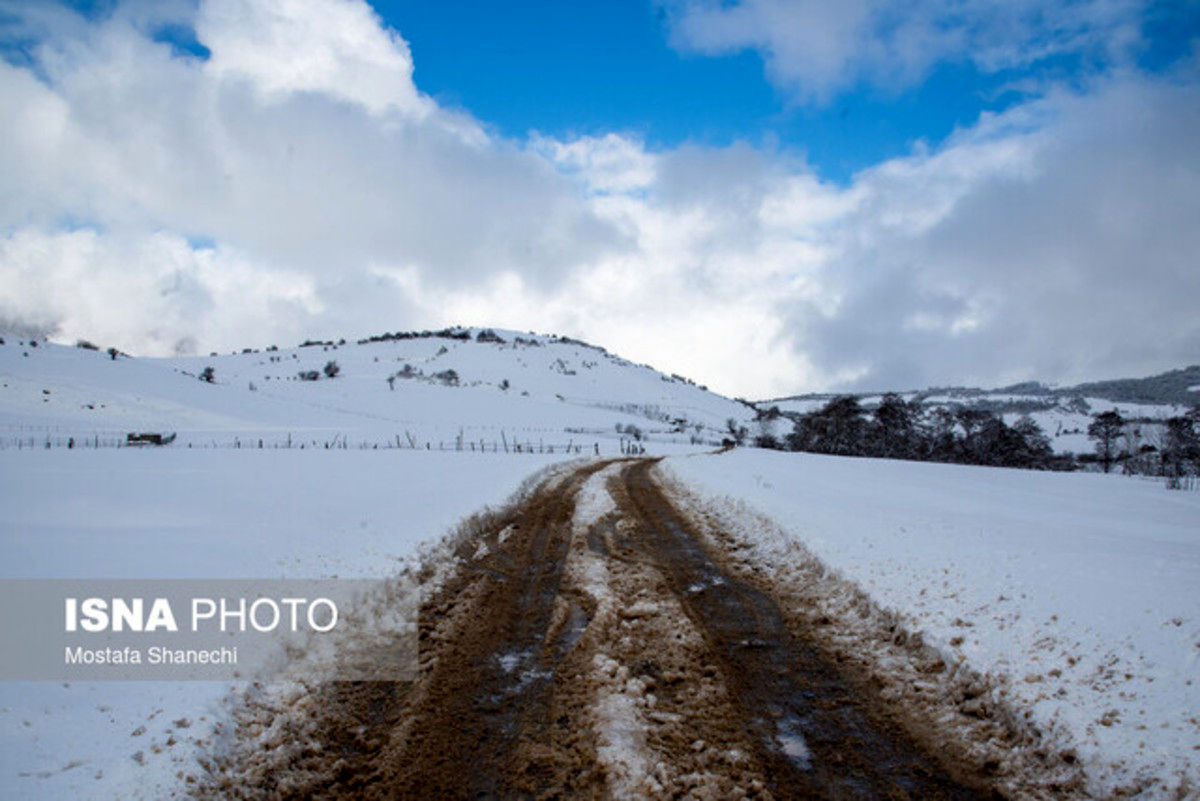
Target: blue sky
<point x="589" y="67"/>
<point x="769" y="196"/>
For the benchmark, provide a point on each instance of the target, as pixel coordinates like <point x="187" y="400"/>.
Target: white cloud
<point x="337" y="48"/>
<point x="150" y="293"/>
<point x="1061" y="252"/>
<point x="816" y="48"/>
<point x="1054" y="241"/>
<point x="609" y="163"/>
<point x="136" y="138"/>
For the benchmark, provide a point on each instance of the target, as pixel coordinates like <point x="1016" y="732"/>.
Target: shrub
<point x="83" y="343"/>
<point x="207" y="374"/>
<point x="631" y="430"/>
<point x="488" y="335"/>
<point x="308" y="375"/>
<point x="768" y="441"/>
<point x="331" y="369"/>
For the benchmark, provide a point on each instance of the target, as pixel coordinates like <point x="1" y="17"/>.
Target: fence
<point x="338" y="442"/>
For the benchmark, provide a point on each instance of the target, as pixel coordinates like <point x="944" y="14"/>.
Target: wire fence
<point x="408" y="441"/>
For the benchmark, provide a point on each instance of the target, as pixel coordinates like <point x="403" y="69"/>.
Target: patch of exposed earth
<point x="595" y="641"/>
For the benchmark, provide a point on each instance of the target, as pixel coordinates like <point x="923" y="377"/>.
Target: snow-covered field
<point x="1078" y="593"/>
<point x="171" y="513"/>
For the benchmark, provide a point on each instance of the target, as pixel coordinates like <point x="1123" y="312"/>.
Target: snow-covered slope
<point x="485" y="389"/>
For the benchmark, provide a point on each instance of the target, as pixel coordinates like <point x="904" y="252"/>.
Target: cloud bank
<point x="813" y="48"/>
<point x="296" y="182"/>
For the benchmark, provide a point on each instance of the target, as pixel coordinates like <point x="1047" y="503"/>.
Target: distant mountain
<point x="1177" y="387"/>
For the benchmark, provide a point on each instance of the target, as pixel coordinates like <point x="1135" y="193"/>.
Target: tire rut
<point x="488" y="689"/>
<point x="814" y="728"/>
<point x="548" y="624"/>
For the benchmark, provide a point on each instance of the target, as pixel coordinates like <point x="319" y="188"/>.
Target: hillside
<point x="447" y="389"/>
<point x="1174" y="386"/>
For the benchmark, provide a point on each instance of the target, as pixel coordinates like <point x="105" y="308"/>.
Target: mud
<point x="566" y="656"/>
<point x="813" y="727"/>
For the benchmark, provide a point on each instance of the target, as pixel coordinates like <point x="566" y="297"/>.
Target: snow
<point x="1078" y="593"/>
<point x="177" y="513"/>
<point x="593" y="500"/>
<point x="792" y="743"/>
<point x="1154" y="411"/>
<point x="797" y="405"/>
<point x="621" y="734"/>
<point x="558" y="393"/>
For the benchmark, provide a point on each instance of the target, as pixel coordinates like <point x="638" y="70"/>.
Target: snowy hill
<point x="1062" y="412"/>
<point x="448" y="389"/>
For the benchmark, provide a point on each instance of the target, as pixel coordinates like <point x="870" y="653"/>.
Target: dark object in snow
<point x="447" y="377"/>
<point x="149" y="439"/>
<point x="488" y="335"/>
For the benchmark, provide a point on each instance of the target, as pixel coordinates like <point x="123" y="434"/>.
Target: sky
<point x="769" y="197"/>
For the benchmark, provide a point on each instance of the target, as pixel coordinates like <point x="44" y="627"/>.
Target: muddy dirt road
<point x="590" y="643"/>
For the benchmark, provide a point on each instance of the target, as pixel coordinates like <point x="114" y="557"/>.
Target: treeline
<point x="1172" y="451"/>
<point x="1173" y="386"/>
<point x="900" y="429"/>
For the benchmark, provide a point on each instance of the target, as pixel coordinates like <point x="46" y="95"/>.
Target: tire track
<point x="814" y="728"/>
<point x="488" y="687"/>
<point x="570" y="657"/>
